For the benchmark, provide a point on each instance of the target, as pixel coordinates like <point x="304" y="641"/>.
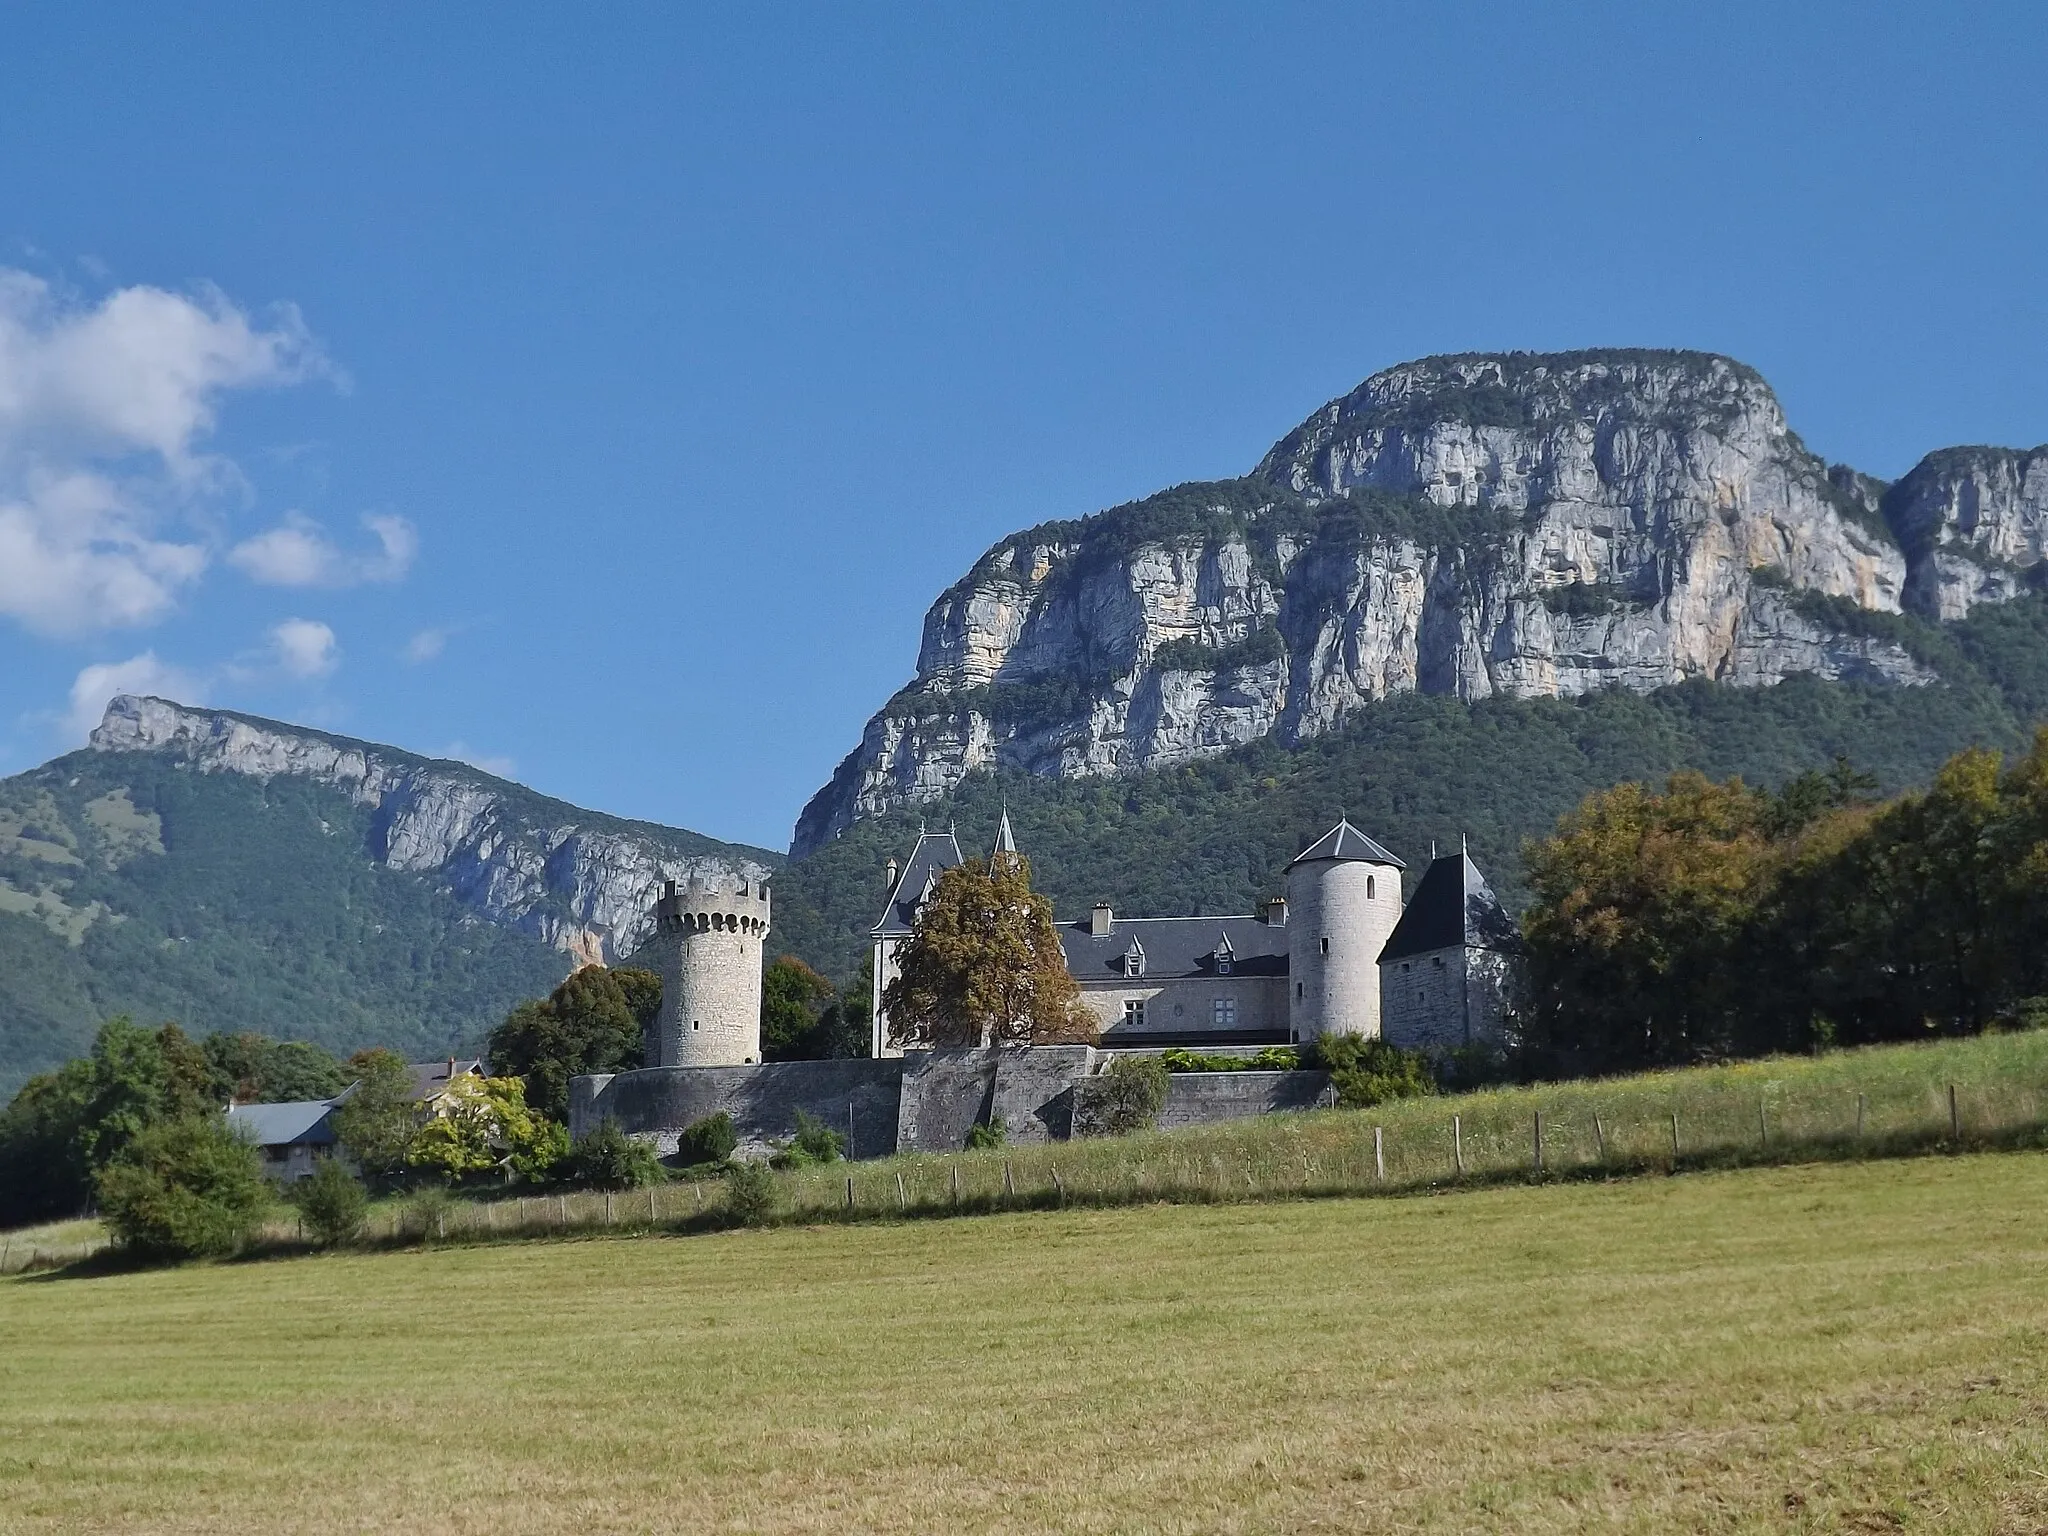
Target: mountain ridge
<point x="1477" y="524"/>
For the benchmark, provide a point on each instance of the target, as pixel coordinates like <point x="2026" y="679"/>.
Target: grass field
<point x="1840" y="1346"/>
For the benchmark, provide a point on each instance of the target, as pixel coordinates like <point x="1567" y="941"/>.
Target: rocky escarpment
<point x="1529" y="525"/>
<point x="1975" y="523"/>
<point x="581" y="882"/>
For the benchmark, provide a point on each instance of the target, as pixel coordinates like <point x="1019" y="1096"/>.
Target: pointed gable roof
<point x="1452" y="906"/>
<point x="1006" y="840"/>
<point x="1345" y="842"/>
<point x="934" y="851"/>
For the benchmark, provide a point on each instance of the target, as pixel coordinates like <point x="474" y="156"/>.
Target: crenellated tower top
<point x="713" y="905"/>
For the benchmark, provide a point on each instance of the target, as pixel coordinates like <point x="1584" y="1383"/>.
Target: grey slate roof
<point x="1175" y="946"/>
<point x="1453" y="905"/>
<point x="934" y="851"/>
<point x="283" y="1125"/>
<point x="1346" y="842"/>
<point x="432" y="1077"/>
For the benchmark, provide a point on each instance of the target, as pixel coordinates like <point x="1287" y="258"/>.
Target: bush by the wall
<point x="986" y="1134"/>
<point x="607" y="1158"/>
<point x="1367" y="1071"/>
<point x="710" y="1140"/>
<point x="1126" y="1098"/>
<point x="814" y="1142"/>
<point x="184" y="1189"/>
<point x="332" y="1202"/>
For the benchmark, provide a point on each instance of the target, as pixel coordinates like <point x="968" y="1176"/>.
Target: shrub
<point x="1274" y="1058"/>
<point x="1126" y="1098"/>
<point x="426" y="1209"/>
<point x="989" y="1133"/>
<point x="814" y="1142"/>
<point x="332" y="1203"/>
<point x="751" y="1194"/>
<point x="710" y="1140"/>
<point x="1367" y="1071"/>
<point x="184" y="1189"/>
<point x="607" y="1158"/>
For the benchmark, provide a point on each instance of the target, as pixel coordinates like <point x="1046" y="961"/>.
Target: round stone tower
<point x="710" y="960"/>
<point x="1343" y="900"/>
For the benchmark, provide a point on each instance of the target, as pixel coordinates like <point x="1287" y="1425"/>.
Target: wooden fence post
<point x="849" y="1191"/>
<point x="902" y="1199"/>
<point x="699" y="1188"/>
<point x="1379" y="1155"/>
<point x="1674" y="1136"/>
<point x="1009" y="1181"/>
<point x="1955" y="1117"/>
<point x="1059" y="1190"/>
<point x="1763" y="1129"/>
<point x="562" y="1209"/>
<point x="956" y="1182"/>
<point x="1537" y="1135"/>
<point x="607" y="1207"/>
<point x="1861" y="1101"/>
<point x="1458" y="1143"/>
<point x="1600" y="1139"/>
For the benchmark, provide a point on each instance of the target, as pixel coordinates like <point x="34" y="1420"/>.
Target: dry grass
<point x="1852" y="1346"/>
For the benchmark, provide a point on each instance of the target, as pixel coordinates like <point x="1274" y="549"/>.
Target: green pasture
<point x="1853" y="1346"/>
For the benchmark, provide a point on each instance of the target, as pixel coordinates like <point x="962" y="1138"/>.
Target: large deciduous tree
<point x="983" y="965"/>
<point x="593" y="1022"/>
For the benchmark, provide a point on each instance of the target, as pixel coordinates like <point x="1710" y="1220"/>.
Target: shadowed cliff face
<point x="1520" y="524"/>
<point x="583" y="883"/>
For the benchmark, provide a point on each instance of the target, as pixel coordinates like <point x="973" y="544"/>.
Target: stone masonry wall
<point x="1178" y="1005"/>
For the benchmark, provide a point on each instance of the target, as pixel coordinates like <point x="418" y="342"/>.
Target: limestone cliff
<point x="1530" y="525"/>
<point x="582" y="882"/>
<point x="1975" y="522"/>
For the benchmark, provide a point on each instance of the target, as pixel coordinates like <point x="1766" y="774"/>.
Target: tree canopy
<point x="983" y="965"/>
<point x="595" y="1021"/>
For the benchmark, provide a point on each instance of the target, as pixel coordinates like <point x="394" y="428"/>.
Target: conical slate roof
<point x="934" y="851"/>
<point x="1006" y="840"/>
<point x="1453" y="905"/>
<point x="1345" y="842"/>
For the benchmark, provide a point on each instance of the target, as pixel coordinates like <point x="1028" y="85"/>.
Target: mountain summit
<point x="1520" y="524"/>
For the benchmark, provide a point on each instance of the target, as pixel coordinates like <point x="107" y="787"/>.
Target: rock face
<point x="1975" y="523"/>
<point x="1528" y="525"/>
<point x="581" y="882"/>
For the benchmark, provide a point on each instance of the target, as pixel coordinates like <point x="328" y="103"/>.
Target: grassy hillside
<point x="1849" y="1347"/>
<point x="130" y="885"/>
<point x="1214" y="836"/>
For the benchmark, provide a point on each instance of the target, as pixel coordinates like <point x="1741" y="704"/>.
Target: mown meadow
<point x="1835" y="1346"/>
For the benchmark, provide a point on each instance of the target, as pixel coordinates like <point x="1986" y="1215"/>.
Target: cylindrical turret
<point x="1343" y="900"/>
<point x="710" y="956"/>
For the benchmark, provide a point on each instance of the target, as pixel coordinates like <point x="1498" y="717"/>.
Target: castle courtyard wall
<point x="1186" y="1006"/>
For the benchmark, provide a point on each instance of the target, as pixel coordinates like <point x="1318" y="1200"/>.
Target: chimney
<point x="895" y="870"/>
<point x="1276" y="912"/>
<point x="1100" y="920"/>
<point x="451" y="1069"/>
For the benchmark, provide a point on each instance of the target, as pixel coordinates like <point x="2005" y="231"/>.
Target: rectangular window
<point x="1326" y="946"/>
<point x="1301" y="989"/>
<point x="1134" y="1013"/>
<point x="1223" y="1012"/>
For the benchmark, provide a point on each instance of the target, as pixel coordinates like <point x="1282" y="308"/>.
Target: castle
<point x="1340" y="954"/>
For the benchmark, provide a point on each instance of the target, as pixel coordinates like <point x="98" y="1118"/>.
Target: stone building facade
<point x="1316" y="963"/>
<point x="706" y="948"/>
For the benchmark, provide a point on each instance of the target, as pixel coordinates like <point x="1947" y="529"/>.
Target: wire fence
<point x="1965" y="1095"/>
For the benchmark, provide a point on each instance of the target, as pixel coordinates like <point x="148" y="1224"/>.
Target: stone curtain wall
<point x="1445" y="999"/>
<point x="925" y="1101"/>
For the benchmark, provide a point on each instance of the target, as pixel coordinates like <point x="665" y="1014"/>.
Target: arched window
<point x="1369" y="889"/>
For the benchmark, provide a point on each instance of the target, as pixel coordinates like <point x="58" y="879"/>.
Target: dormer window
<point x="1223" y="954"/>
<point x="1134" y="959"/>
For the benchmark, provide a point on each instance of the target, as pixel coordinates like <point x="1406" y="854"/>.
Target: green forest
<point x="1412" y="770"/>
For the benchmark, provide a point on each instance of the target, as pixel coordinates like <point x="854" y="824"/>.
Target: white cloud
<point x="104" y="409"/>
<point x="460" y="751"/>
<point x="426" y="645"/>
<point x="298" y="553"/>
<point x="304" y="648"/>
<point x="138" y="674"/>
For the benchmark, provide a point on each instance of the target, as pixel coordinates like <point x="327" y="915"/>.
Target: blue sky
<point x="603" y="393"/>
